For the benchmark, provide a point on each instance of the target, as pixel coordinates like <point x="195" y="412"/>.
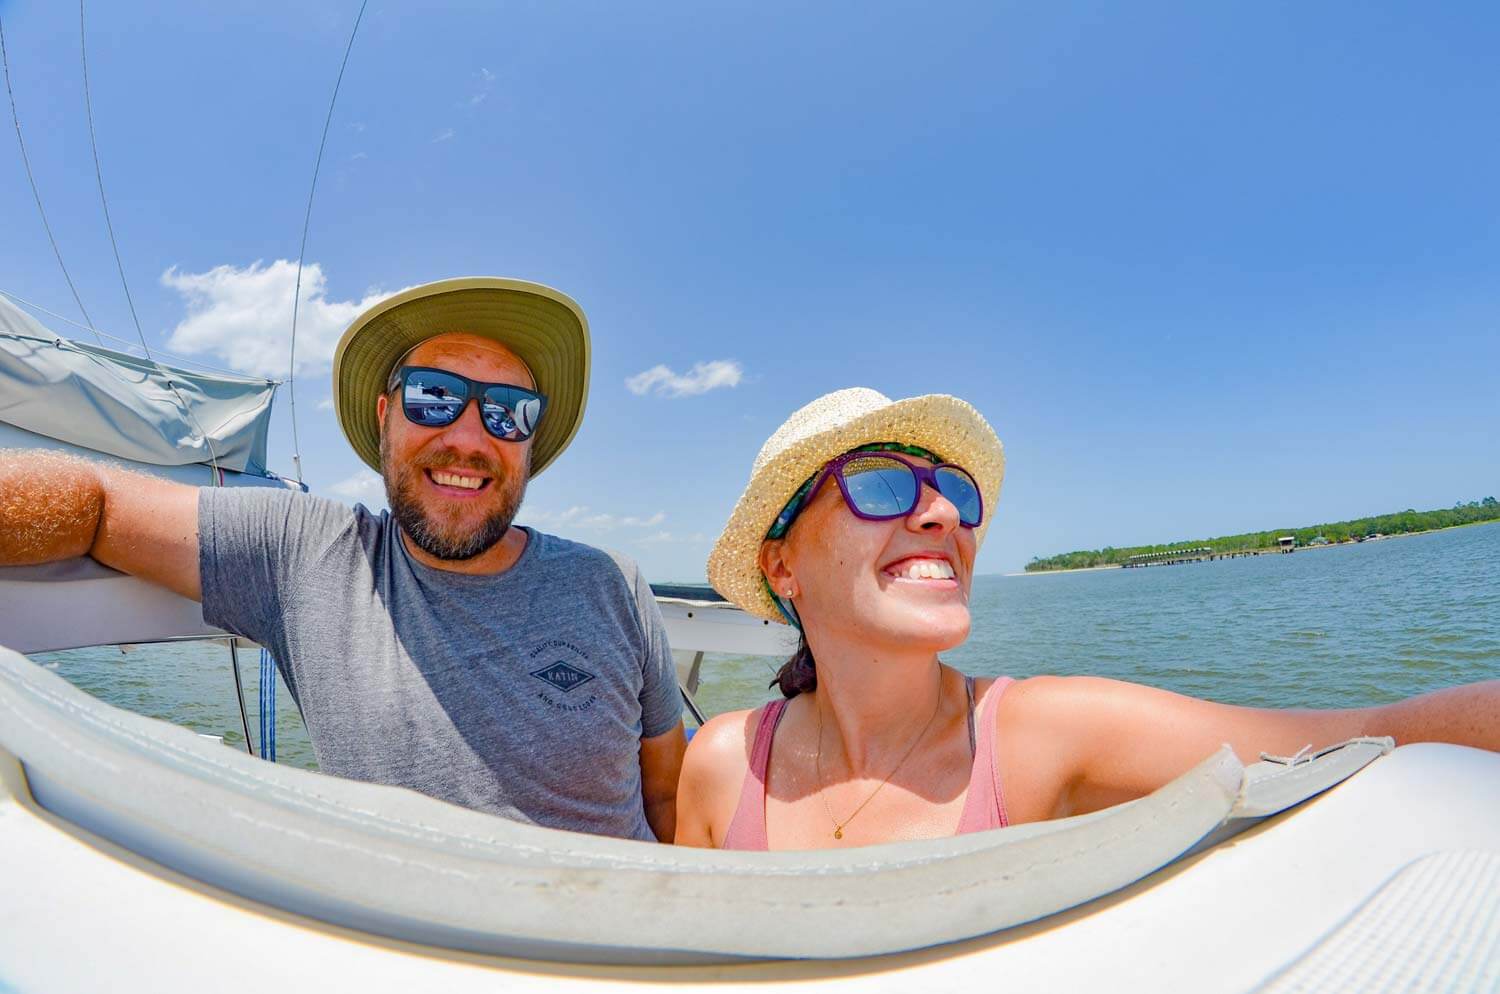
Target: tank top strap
<point x="969" y="692"/>
<point x="984" y="807"/>
<point x="747" y="829"/>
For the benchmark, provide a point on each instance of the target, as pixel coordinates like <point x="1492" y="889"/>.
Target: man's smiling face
<point x="454" y="490"/>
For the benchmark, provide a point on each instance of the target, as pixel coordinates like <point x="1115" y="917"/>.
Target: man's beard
<point x="437" y="538"/>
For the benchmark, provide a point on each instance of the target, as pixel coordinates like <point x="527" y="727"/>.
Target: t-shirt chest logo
<point x="564" y="677"/>
<point x="560" y="665"/>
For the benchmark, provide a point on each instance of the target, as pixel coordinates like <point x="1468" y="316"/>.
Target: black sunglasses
<point x="434" y="398"/>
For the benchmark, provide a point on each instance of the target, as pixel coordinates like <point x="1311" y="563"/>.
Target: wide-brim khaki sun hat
<point x="542" y="326"/>
<point x="828" y="427"/>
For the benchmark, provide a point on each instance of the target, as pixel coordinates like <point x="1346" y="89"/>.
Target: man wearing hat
<point x="436" y="646"/>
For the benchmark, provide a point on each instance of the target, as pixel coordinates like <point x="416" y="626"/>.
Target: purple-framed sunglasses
<point x="879" y="485"/>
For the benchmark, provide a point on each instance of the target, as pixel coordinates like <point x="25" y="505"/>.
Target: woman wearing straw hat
<point x="859" y="526"/>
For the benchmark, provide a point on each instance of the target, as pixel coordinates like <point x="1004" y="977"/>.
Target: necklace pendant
<point x="838" y="832"/>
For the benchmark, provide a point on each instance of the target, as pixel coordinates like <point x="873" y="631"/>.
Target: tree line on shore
<point x="1397" y="523"/>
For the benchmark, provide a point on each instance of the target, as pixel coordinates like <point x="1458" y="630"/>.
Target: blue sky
<point x="1206" y="268"/>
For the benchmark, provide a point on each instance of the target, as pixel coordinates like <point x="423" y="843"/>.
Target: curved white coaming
<point x="77" y="908"/>
<point x="395" y="863"/>
<point x="167" y="857"/>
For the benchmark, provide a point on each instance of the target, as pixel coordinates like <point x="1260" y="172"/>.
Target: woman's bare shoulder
<point x="724" y="740"/>
<point x="1048" y="695"/>
<point x="1033" y="692"/>
<point x="712" y="771"/>
<point x="1044" y="738"/>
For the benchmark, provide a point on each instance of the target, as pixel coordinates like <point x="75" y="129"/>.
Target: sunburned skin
<point x="50" y="506"/>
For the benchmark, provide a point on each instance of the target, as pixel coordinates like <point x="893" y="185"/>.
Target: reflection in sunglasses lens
<point x="880" y="486"/>
<point x="511" y="414"/>
<point x="433" y="399"/>
<point x="959" y="488"/>
<point x="527" y="413"/>
<point x="499" y="421"/>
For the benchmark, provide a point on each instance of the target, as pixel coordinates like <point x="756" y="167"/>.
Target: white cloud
<point x="671" y="538"/>
<point x="243" y="316"/>
<point x="703" y="377"/>
<point x="326" y="404"/>
<point x="486" y="80"/>
<point x="550" y="519"/>
<point x="443" y="135"/>
<point x="650" y="522"/>
<point x="365" y="487"/>
<point x="357" y="156"/>
<point x="580" y="517"/>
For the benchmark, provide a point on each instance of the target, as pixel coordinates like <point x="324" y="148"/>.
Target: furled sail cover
<point x="124" y="406"/>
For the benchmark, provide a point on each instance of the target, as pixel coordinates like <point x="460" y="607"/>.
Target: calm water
<point x="1346" y="626"/>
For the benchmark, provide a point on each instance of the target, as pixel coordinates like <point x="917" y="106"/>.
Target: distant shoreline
<point x="1053" y="572"/>
<point x="1300" y="548"/>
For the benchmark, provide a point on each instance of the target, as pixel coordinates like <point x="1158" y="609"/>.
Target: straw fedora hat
<point x="541" y="325"/>
<point x="828" y="427"/>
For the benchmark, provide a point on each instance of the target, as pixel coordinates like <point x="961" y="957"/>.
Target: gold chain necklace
<point x="838" y="827"/>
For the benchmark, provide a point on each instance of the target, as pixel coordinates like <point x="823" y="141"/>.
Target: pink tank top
<point x="984" y="805"/>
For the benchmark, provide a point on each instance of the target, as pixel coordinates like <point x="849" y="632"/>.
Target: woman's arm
<point x="1106" y="741"/>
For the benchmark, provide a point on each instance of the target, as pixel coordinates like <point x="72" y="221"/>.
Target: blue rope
<point x="267" y="706"/>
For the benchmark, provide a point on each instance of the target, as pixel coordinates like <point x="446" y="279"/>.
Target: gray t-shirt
<point x="524" y="693"/>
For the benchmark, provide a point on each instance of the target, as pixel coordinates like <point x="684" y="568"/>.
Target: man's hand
<point x="661" y="764"/>
<point x="54" y="506"/>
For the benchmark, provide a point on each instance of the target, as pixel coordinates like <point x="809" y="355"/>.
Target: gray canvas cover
<point x="125" y="406"/>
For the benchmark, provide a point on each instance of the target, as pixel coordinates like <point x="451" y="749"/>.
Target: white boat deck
<point x="1226" y="920"/>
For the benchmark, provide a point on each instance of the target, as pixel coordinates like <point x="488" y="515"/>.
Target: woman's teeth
<point x="927" y="569"/>
<point x="450" y="480"/>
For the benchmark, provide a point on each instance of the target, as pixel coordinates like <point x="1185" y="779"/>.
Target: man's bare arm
<point x="50" y="507"/>
<point x="661" y="765"/>
<point x="55" y="506"/>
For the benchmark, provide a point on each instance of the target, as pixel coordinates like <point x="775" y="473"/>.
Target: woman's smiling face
<point x="902" y="581"/>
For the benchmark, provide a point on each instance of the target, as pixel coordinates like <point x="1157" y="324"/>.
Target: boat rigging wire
<point x="291" y="364"/>
<point x="239" y="692"/>
<point x="88" y="106"/>
<point x="15" y="116"/>
<point x="291" y="374"/>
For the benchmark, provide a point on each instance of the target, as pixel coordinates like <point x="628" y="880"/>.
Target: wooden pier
<point x="1202" y="554"/>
